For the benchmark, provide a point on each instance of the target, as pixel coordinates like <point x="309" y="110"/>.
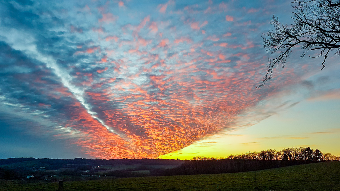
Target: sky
<point x="156" y="79"/>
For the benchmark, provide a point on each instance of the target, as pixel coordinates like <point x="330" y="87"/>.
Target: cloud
<point x="121" y="4"/>
<point x="329" y="131"/>
<point x="326" y="96"/>
<point x="298" y="137"/>
<point x="250" y="143"/>
<point x="229" y="18"/>
<point x="163" y="7"/>
<point x="148" y="84"/>
<point x="108" y="17"/>
<point x="153" y="27"/>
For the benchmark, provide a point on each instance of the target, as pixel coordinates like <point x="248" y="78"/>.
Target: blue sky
<point x="135" y="79"/>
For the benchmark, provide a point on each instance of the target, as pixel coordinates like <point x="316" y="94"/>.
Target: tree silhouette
<point x="316" y="28"/>
<point x="317" y="155"/>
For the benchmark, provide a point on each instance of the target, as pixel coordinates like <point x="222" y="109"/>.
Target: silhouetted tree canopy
<point x="316" y="28"/>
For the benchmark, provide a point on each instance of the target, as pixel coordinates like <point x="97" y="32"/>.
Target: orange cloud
<point x="229" y="18"/>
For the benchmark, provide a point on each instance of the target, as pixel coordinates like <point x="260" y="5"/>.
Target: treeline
<point x="250" y="161"/>
<point x="302" y="153"/>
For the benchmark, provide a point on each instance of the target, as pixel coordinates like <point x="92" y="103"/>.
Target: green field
<point x="320" y="176"/>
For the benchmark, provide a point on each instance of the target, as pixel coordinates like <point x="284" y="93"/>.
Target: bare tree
<point x="316" y="28"/>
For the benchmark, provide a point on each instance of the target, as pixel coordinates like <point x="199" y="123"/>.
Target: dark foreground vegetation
<point x="315" y="176"/>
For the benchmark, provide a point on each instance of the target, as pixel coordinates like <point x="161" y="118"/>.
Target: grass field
<point x="320" y="176"/>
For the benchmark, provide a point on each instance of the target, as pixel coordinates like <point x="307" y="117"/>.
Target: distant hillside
<point x="317" y="176"/>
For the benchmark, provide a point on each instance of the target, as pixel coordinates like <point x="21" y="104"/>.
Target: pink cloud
<point x="223" y="6"/>
<point x="227" y="34"/>
<point x="236" y="46"/>
<point x="183" y="39"/>
<point x="221" y="56"/>
<point x="223" y="61"/>
<point x="109" y="38"/>
<point x="103" y="70"/>
<point x="204" y="23"/>
<point x="142" y="24"/>
<point x="109" y="17"/>
<point x="203" y="31"/>
<point x="143" y="42"/>
<point x="252" y="10"/>
<point x="223" y="44"/>
<point x="86" y="8"/>
<point x="104" y="59"/>
<point x="121" y="4"/>
<point x="249" y="45"/>
<point x="91" y="50"/>
<point x="213" y="38"/>
<point x="98" y="30"/>
<point x="153" y="27"/>
<point x="163" y="42"/>
<point x="195" y="26"/>
<point x="245" y="56"/>
<point x="207" y="52"/>
<point x="208" y="10"/>
<point x="229" y="18"/>
<point x="163" y="8"/>
<point x="109" y="52"/>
